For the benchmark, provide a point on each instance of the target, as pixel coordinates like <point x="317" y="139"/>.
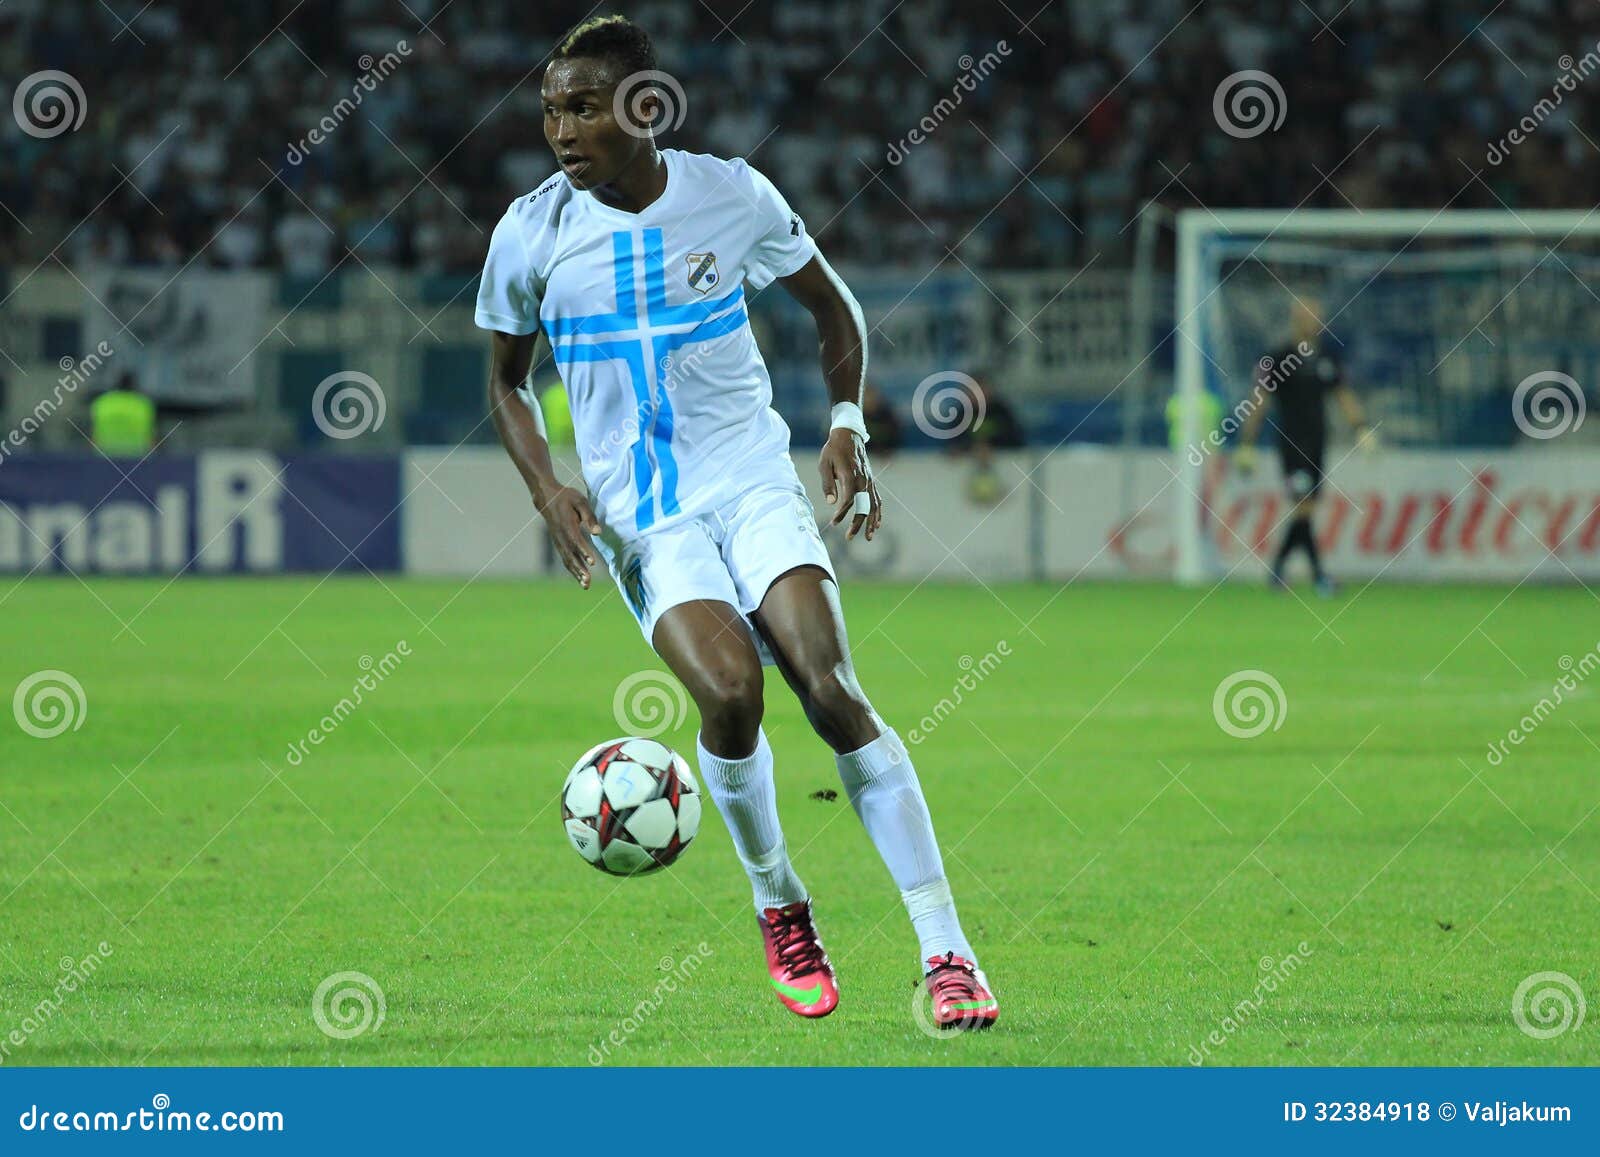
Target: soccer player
<point x="632" y="261"/>
<point x="1300" y="377"/>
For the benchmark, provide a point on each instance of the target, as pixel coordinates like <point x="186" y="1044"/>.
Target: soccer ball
<point x="630" y="806"/>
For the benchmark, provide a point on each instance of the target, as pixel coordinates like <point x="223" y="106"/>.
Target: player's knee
<point x="730" y="699"/>
<point x="838" y="707"/>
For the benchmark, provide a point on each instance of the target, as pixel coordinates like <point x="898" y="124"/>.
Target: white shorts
<point x="729" y="554"/>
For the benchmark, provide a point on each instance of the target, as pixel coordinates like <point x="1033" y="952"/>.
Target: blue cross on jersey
<point x="642" y="334"/>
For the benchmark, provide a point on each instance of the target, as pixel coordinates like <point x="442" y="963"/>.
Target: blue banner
<point x="219" y="512"/>
<point x="711" y="1111"/>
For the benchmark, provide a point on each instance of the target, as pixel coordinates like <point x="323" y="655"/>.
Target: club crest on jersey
<point x="703" y="276"/>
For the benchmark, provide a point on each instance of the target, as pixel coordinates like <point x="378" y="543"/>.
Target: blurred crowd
<point x="194" y="142"/>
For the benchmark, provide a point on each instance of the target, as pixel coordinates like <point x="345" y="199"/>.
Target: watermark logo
<point x="348" y="1004"/>
<point x="923" y="1016"/>
<point x="1547" y="405"/>
<point x="74" y="373"/>
<point x="1574" y="673"/>
<point x="49" y="703"/>
<point x="160" y="1117"/>
<point x="74" y="974"/>
<point x="373" y="73"/>
<point x="671" y="371"/>
<point x="630" y="104"/>
<point x="947" y="404"/>
<point x="973" y="73"/>
<point x="678" y="973"/>
<point x="374" y="672"/>
<point x="1248" y="703"/>
<point x="1275" y="973"/>
<point x="974" y="672"/>
<point x="1249" y="103"/>
<point x="649" y="703"/>
<point x="1270" y="374"/>
<point x="1572" y="72"/>
<point x="48" y="104"/>
<point x="350" y="410"/>
<point x="1548" y="1004"/>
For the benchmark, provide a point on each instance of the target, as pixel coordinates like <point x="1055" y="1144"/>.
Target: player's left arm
<point x="842" y="331"/>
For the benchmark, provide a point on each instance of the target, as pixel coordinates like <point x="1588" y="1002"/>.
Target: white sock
<point x="745" y="794"/>
<point x="883" y="788"/>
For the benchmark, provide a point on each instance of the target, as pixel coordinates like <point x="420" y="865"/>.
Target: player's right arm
<point x="1356" y="415"/>
<point x="565" y="510"/>
<point x="508" y="308"/>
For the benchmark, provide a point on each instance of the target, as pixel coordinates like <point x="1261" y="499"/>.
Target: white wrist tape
<point x="848" y="416"/>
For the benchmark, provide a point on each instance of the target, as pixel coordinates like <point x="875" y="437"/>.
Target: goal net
<point x="1454" y="330"/>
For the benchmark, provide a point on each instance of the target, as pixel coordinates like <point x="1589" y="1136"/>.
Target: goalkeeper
<point x="1299" y="378"/>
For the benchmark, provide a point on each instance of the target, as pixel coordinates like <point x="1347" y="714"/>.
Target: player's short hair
<point x="613" y="38"/>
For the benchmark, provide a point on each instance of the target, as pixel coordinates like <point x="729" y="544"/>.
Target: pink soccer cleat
<point x="960" y="991"/>
<point x="801" y="974"/>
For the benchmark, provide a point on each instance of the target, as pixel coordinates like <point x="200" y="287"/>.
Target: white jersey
<point x="646" y="315"/>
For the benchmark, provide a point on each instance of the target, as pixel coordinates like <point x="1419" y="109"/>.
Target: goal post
<point x="1448" y="307"/>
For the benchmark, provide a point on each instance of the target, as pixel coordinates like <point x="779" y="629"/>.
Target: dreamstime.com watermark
<point x="74" y="373"/>
<point x="672" y="370"/>
<point x="974" y="673"/>
<point x="1548" y="1004"/>
<point x="1249" y="702"/>
<point x="47" y="104"/>
<point x="1576" y="672"/>
<point x="348" y="1004"/>
<point x="1548" y="404"/>
<point x="633" y="93"/>
<point x="973" y="73"/>
<point x="347" y="404"/>
<point x="622" y="436"/>
<point x="649" y="703"/>
<point x="1276" y="973"/>
<point x="375" y="674"/>
<point x="1572" y="73"/>
<point x="947" y="404"/>
<point x="1270" y="374"/>
<point x="373" y="73"/>
<point x="675" y="970"/>
<point x="160" y="1117"/>
<point x="49" y="703"/>
<point x="73" y="974"/>
<point x="1249" y="103"/>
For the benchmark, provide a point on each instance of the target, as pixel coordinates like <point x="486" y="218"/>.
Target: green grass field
<point x="1124" y="865"/>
